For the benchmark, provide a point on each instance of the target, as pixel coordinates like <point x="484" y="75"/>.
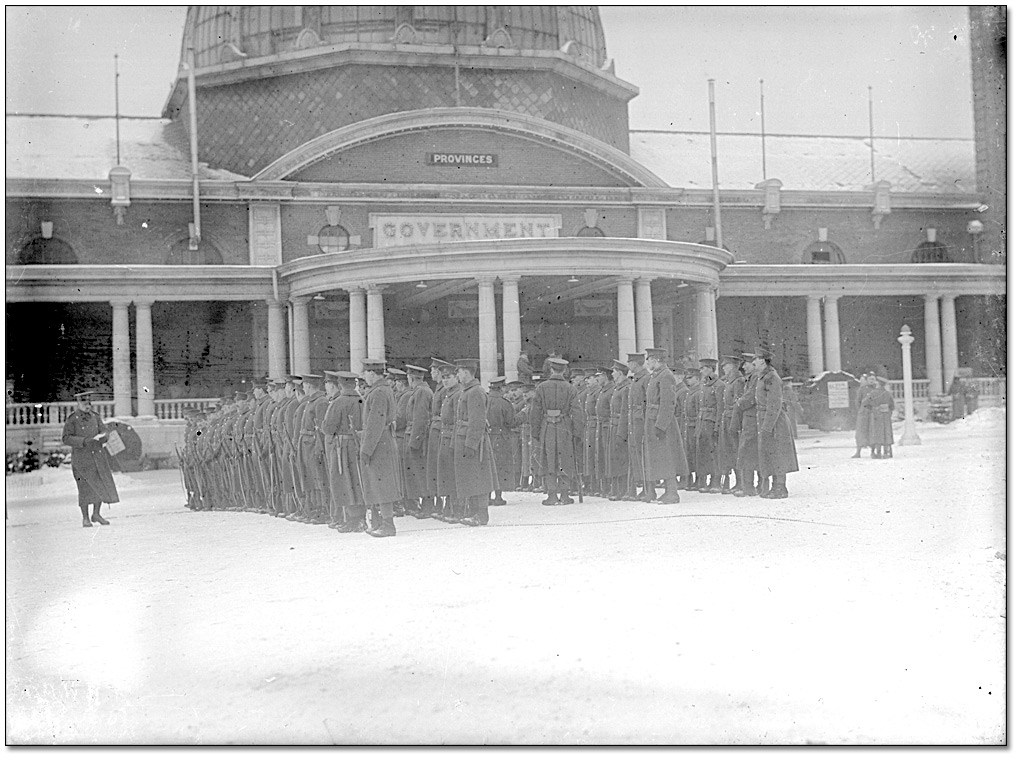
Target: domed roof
<point x="224" y="33"/>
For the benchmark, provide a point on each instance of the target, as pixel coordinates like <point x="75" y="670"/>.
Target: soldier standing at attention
<point x="302" y="480"/>
<point x="433" y="443"/>
<point x="418" y="406"/>
<point x="637" y="428"/>
<point x="777" y="455"/>
<point x="398" y="380"/>
<point x="557" y="425"/>
<point x="454" y="505"/>
<point x="473" y="456"/>
<point x="743" y="424"/>
<point x="515" y="396"/>
<point x="604" y="432"/>
<point x="286" y="446"/>
<point x="500" y="420"/>
<point x="707" y="473"/>
<point x="690" y="417"/>
<point x="618" y="451"/>
<point x="378" y="459"/>
<point x="343" y="419"/>
<point x="85" y="432"/>
<point x="312" y="449"/>
<point x="525" y="370"/>
<point x="727" y="443"/>
<point x="664" y="451"/>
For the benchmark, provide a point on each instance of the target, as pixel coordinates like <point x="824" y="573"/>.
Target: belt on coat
<point x="344" y="436"/>
<point x="553" y="415"/>
<point x="308" y="433"/>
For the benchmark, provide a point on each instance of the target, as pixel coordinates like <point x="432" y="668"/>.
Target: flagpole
<point x="762" y="125"/>
<point x="872" y="152"/>
<point x="713" y="166"/>
<point x="117" y="108"/>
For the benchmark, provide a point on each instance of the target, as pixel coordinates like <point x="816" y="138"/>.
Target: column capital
<point x="510" y="278"/>
<point x="355" y="289"/>
<point x="279" y="303"/>
<point x="831" y="297"/>
<point x="144" y="303"/>
<point x="949" y="296"/>
<point x="625" y="280"/>
<point x="300" y="300"/>
<point x="643" y="280"/>
<point x="485" y="280"/>
<point x="814" y="297"/>
<point x="125" y="303"/>
<point x="375" y="290"/>
<point x="701" y="287"/>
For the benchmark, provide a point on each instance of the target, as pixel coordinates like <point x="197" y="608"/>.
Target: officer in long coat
<point x="879" y="403"/>
<point x="743" y="424"/>
<point x="866" y="384"/>
<point x="604" y="432"/>
<point x="340" y="426"/>
<point x="473" y="455"/>
<point x="637" y="429"/>
<point x="664" y="450"/>
<point x="618" y="453"/>
<point x="777" y="455"/>
<point x="500" y="421"/>
<point x="377" y="454"/>
<point x="588" y="396"/>
<point x="707" y="468"/>
<point x="688" y="416"/>
<point x="732" y="387"/>
<point x="447" y="484"/>
<point x="440" y="391"/>
<point x="313" y="454"/>
<point x="85" y="432"/>
<point x="287" y="448"/>
<point x="557" y="425"/>
<point x="417" y="409"/>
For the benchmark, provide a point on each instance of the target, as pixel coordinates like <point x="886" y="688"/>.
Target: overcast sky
<point x="816" y="63"/>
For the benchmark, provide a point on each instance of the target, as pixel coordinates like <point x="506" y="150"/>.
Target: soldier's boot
<point x="386" y="527"/>
<point x="438" y="510"/>
<point x="648" y="493"/>
<point x="693" y="482"/>
<point x="461" y="510"/>
<point x="765" y="485"/>
<point x="858" y="453"/>
<point x="86" y="523"/>
<point x="887" y="451"/>
<point x="874" y="453"/>
<point x="375" y="520"/>
<point x="498" y="498"/>
<point x="551" y="491"/>
<point x="564" y="497"/>
<point x="725" y="483"/>
<point x="96" y="517"/>
<point x="670" y="495"/>
<point x="780" y="489"/>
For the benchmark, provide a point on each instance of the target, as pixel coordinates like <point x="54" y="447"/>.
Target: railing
<point x="992" y="391"/>
<point x="920" y="389"/>
<point x="56" y="413"/>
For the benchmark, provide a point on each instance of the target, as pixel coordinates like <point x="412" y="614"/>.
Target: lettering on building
<point x="406" y="230"/>
<point x="487" y="160"/>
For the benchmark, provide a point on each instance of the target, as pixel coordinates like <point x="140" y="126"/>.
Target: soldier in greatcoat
<point x="588" y="395"/>
<point x="557" y="426"/>
<point x="433" y="441"/>
<point x="743" y="425"/>
<point x="473" y="455"/>
<point x="85" y="432"/>
<point x="303" y="482"/>
<point x="378" y="458"/>
<point x="398" y="380"/>
<point x="604" y="432"/>
<point x="637" y="429"/>
<point x="777" y="455"/>
<point x="418" y="405"/>
<point x="618" y="451"/>
<point x="866" y="384"/>
<point x="515" y="394"/>
<point x="500" y="420"/>
<point x="313" y="455"/>
<point x="730" y="389"/>
<point x="446" y="483"/>
<point x="879" y="403"/>
<point x="664" y="452"/>
<point x="707" y="468"/>
<point x="341" y="424"/>
<point x="286" y="448"/>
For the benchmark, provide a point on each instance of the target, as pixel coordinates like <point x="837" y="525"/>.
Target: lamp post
<point x="909" y="435"/>
<point x="975" y="229"/>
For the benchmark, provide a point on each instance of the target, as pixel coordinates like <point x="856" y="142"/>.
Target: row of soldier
<point x="337" y="448"/>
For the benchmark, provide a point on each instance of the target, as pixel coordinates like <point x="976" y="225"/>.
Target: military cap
<point x="732" y="358"/>
<point x="85" y="395"/>
<point x="656" y="353"/>
<point x="691" y="372"/>
<point x="577" y="372"/>
<point x="622" y="366"/>
<point x="311" y="378"/>
<point x="344" y="376"/>
<point x="537" y="377"/>
<point x="415" y="370"/>
<point x="374" y="365"/>
<point x="746" y="355"/>
<point x="447" y="369"/>
<point x="636" y="357"/>
<point x="393" y="372"/>
<point x="294" y="378"/>
<point x="330" y="375"/>
<point x="788" y="378"/>
<point x="708" y="362"/>
<point x="469" y="363"/>
<point x="605" y="369"/>
<point x="277" y="382"/>
<point x="513" y="384"/>
<point x="764" y="353"/>
<point x="260" y="382"/>
<point x="241" y="396"/>
<point x="498" y="381"/>
<point x="557" y="363"/>
<point x="437" y="362"/>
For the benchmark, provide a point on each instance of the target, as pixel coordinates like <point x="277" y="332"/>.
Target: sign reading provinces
<point x="407" y="230"/>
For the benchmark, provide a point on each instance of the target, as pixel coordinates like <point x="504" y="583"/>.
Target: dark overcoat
<point x="604" y="430"/>
<point x="90" y="462"/>
<point x="665" y="455"/>
<point x="500" y="419"/>
<point x="776" y="444"/>
<point x="637" y="423"/>
<point x="433" y="440"/>
<point x="727" y="441"/>
<point x="417" y="424"/>
<point x="618" y="451"/>
<point x="556" y="422"/>
<point x="311" y="442"/>
<point x="377" y="450"/>
<point x="473" y="456"/>
<point x="446" y="483"/>
<point x="862" y="416"/>
<point x="588" y="399"/>
<point x="879" y="403"/>
<point x="342" y="419"/>
<point x="743" y="421"/>
<point x="706" y="427"/>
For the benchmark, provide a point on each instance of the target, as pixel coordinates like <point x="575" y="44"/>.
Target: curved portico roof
<point x="529" y="257"/>
<point x="524" y="126"/>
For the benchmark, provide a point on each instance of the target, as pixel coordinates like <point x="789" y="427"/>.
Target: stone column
<point x="357" y="327"/>
<point x="487" y="331"/>
<point x="933" y="354"/>
<point x="625" y="319"/>
<point x="663" y="329"/>
<point x="832" y="327"/>
<point x="144" y="367"/>
<point x="300" y="327"/>
<point x="814" y="335"/>
<point x="643" y="313"/>
<point x="376" y="345"/>
<point x="121" y="359"/>
<point x="512" y="320"/>
<point x="949" y="332"/>
<point x="276" y="341"/>
<point x="260" y="341"/>
<point x="706" y="321"/>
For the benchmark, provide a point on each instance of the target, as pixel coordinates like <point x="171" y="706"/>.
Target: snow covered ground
<point x="867" y="608"/>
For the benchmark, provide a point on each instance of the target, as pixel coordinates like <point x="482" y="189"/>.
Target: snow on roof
<point x="85" y="148"/>
<point x="803" y="162"/>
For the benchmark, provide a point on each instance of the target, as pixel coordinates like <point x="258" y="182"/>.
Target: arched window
<point x="823" y="252"/>
<point x="207" y="253"/>
<point x="47" y="251"/>
<point x="931" y="252"/>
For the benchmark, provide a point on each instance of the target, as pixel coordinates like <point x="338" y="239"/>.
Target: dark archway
<point x="47" y="251"/>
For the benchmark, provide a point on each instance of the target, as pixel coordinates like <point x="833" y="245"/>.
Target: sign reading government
<point x="462" y="159"/>
<point x="406" y="230"/>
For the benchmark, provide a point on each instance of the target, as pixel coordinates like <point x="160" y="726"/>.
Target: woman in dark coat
<point x="85" y="433"/>
<point x="862" y="415"/>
